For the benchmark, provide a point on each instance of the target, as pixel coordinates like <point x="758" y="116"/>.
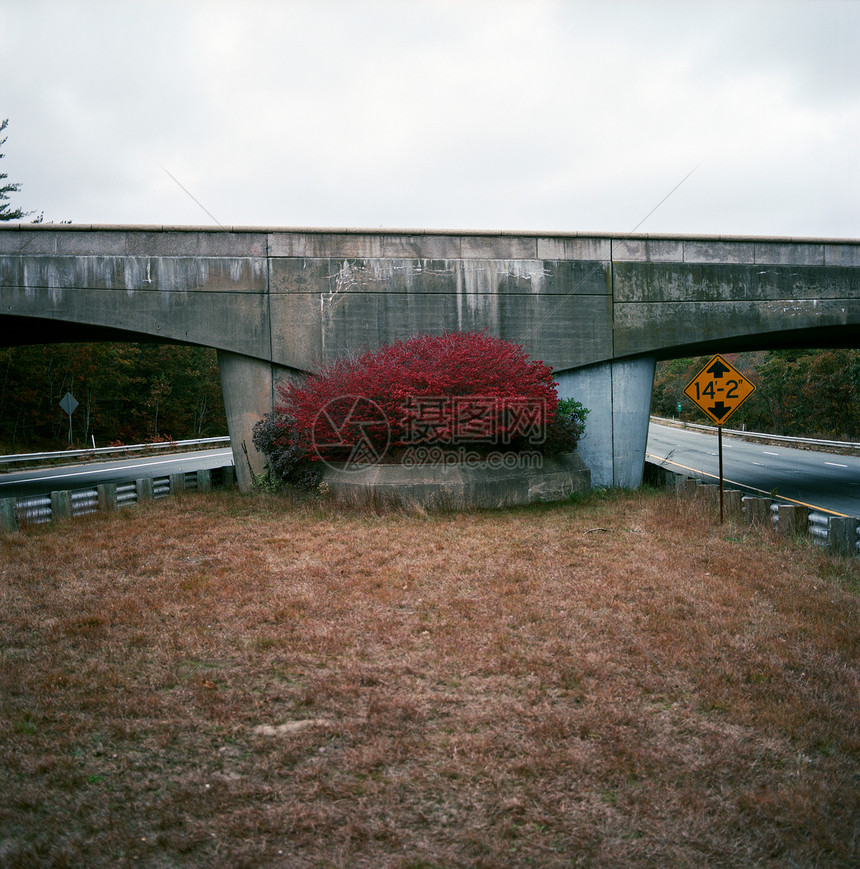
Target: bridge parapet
<point x="684" y="297"/>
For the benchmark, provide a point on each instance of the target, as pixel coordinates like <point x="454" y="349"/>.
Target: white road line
<point x="129" y="467"/>
<point x="769" y="454"/>
<point x="835" y="465"/>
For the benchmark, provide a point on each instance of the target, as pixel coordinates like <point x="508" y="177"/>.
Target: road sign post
<point x="68" y="404"/>
<point x="720" y="451"/>
<point x="719" y="389"/>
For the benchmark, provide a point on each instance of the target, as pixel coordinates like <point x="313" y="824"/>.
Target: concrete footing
<point x="8" y="515"/>
<point x="732" y="505"/>
<point x="143" y="487"/>
<point x="61" y="505"/>
<point x="793" y="519"/>
<point x="461" y="486"/>
<point x="757" y="510"/>
<point x="107" y="497"/>
<point x="617" y="394"/>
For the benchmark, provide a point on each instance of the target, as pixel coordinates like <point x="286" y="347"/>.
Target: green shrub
<point x="566" y="429"/>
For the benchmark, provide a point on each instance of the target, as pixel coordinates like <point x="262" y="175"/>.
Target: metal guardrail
<point x="85" y="501"/>
<point x="839" y="534"/>
<point x="63" y="504"/>
<point x="735" y="432"/>
<point x="834" y="532"/>
<point x="34" y="510"/>
<point x="126" y="494"/>
<point x="819" y="526"/>
<point x="104" y="451"/>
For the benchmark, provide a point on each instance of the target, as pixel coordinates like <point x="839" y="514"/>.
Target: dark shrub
<point x="287" y="456"/>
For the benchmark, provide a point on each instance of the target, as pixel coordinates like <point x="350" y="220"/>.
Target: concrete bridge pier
<point x="618" y="394"/>
<point x="249" y="389"/>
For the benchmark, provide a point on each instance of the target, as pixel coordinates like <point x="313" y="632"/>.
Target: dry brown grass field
<point x="233" y="681"/>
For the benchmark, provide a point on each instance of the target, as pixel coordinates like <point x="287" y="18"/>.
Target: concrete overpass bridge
<point x="601" y="309"/>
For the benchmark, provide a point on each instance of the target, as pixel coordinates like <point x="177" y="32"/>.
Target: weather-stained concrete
<point x="600" y="309"/>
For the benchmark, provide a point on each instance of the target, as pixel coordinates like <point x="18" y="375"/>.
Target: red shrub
<point x="450" y="389"/>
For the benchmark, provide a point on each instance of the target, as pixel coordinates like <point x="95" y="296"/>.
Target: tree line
<point x="801" y="393"/>
<point x="126" y="393"/>
<point x="134" y="393"/>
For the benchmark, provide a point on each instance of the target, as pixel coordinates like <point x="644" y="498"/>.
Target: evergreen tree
<point x="6" y="211"/>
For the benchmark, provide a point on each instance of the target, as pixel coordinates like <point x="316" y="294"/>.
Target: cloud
<point x="519" y="115"/>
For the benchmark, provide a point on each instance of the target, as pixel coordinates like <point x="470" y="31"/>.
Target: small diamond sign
<point x="69" y="403"/>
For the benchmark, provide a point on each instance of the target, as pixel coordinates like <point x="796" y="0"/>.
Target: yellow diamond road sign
<point x="719" y="389"/>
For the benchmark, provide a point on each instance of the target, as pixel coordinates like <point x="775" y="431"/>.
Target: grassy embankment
<point x="230" y="681"/>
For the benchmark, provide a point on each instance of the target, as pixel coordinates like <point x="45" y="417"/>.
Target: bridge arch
<point x="845" y="336"/>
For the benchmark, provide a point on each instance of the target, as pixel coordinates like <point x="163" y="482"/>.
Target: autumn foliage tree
<point x="449" y="390"/>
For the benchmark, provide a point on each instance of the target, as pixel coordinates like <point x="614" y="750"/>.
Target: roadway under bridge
<point x="600" y="309"/>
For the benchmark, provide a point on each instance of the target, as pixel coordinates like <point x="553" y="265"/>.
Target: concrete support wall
<point x="248" y="386"/>
<point x="618" y="394"/>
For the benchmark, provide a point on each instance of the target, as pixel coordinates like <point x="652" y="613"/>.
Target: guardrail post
<point x="107" y="497"/>
<point x="655" y="475"/>
<point x="144" y="489"/>
<point x="842" y="536"/>
<point x="228" y="476"/>
<point x="793" y="519"/>
<point x="732" y="503"/>
<point x="707" y="491"/>
<point x="61" y="505"/>
<point x="757" y="510"/>
<point x="177" y="484"/>
<point x="8" y="515"/>
<point x="204" y="480"/>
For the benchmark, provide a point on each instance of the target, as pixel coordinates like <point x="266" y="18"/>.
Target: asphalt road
<point x="39" y="482"/>
<point x="822" y="481"/>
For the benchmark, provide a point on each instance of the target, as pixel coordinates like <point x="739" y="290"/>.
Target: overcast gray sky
<point x="551" y="115"/>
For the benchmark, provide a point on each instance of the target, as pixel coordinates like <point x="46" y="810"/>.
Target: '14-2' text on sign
<point x="719" y="389"/>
